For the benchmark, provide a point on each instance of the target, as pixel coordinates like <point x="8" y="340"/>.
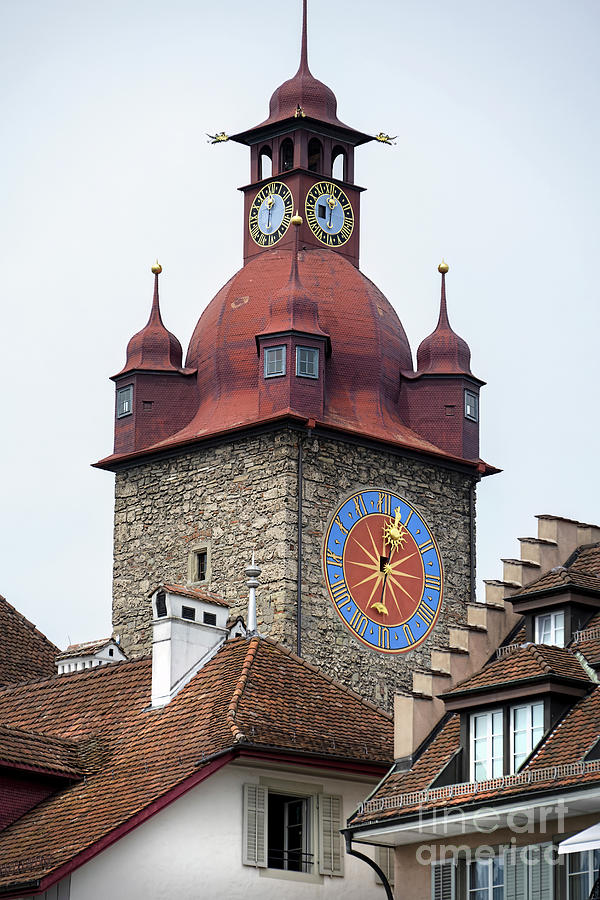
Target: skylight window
<point x="550" y="629"/>
<point x="307" y="362"/>
<point x="526" y="730"/>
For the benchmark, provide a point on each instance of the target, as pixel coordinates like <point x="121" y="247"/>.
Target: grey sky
<point x="105" y="165"/>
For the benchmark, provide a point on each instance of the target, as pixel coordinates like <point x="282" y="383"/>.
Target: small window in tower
<point x="188" y="612"/>
<point x="161" y="605"/>
<point x="147" y="404"/>
<point x="307" y="362"/>
<point x="286" y="155"/>
<point x="274" y="361"/>
<point x="201" y="560"/>
<point x="209" y="618"/>
<point x="111" y="652"/>
<point x="124" y="401"/>
<point x="315" y="155"/>
<point x="471" y="406"/>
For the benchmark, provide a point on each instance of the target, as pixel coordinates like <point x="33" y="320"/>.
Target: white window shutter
<point x="443" y="876"/>
<point x="385" y="860"/>
<point x="541" y="873"/>
<point x="515" y="875"/>
<point x="331" y="859"/>
<point x="254" y="849"/>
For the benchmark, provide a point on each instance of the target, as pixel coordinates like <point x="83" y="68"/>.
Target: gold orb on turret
<point x="443" y="267"/>
<point x="156" y="268"/>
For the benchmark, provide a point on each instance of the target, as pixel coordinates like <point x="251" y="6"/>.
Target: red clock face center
<point x="385" y="578"/>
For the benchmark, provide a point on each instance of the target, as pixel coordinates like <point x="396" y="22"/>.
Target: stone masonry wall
<point x="241" y="496"/>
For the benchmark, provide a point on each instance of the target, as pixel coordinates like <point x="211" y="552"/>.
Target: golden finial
<point x="296" y="219"/>
<point x="443" y="267"/>
<point x="156" y="268"/>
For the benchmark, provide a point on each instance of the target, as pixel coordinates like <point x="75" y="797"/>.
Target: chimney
<point x="188" y="627"/>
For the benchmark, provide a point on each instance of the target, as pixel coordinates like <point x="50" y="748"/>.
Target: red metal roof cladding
<point x="25" y="653"/>
<point x="369" y="348"/>
<point x="443" y="352"/>
<point x="153" y="347"/>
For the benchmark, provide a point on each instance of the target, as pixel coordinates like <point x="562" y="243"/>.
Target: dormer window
<point x="526" y="730"/>
<point x="307" y="362"/>
<point x="274" y="361"/>
<point x="487" y="743"/>
<point x="124" y="401"/>
<point x="550" y="629"/>
<point x="471" y="406"/>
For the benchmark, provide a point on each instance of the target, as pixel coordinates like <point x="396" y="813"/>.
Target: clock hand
<point x="393" y="535"/>
<point x="332" y="204"/>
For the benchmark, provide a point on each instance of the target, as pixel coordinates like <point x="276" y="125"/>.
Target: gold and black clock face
<point x="270" y="213"/>
<point x="329" y="214"/>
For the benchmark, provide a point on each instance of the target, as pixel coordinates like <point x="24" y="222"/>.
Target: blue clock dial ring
<point x="383" y="570"/>
<point x="329" y="213"/>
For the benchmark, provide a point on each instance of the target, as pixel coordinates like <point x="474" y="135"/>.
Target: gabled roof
<point x="581" y="570"/>
<point x="86" y="648"/>
<point x="25" y="653"/>
<point x="38" y="752"/>
<point x="192" y="593"/>
<point x="253" y="697"/>
<point x="524" y="662"/>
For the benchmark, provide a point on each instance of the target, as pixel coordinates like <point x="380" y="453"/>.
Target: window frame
<point x="589" y="871"/>
<point x="531" y="744"/>
<point x="489" y="714"/>
<point x="314" y="351"/>
<point x="471" y="395"/>
<point x="124" y="389"/>
<point x="552" y="615"/>
<point x="268" y="352"/>
<point x="489" y="888"/>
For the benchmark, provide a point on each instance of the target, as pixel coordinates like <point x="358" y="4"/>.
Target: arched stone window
<point x="338" y="163"/>
<point x="265" y="163"/>
<point x="286" y="155"/>
<point x="315" y="155"/>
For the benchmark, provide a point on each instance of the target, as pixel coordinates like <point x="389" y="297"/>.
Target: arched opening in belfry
<point x="265" y="163"/>
<point x="315" y="155"/>
<point x="286" y="155"/>
<point x="338" y="164"/>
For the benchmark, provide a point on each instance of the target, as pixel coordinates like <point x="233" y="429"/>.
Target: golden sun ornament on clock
<point x="383" y="570"/>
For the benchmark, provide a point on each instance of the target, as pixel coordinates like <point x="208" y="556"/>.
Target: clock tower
<point x="302" y="157"/>
<point x="298" y="428"/>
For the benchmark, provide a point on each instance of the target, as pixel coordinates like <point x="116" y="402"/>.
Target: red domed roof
<point x="153" y="348"/>
<point x="369" y="350"/>
<point x="443" y="352"/>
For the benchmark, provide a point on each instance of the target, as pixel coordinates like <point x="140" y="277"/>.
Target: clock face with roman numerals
<point x="270" y="213"/>
<point x="383" y="570"/>
<point x="329" y="214"/>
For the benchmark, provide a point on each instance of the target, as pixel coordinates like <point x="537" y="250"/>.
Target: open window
<point x="286" y="155"/>
<point x="315" y="155"/>
<point x="265" y="163"/>
<point x="338" y="164"/>
<point x="295" y="830"/>
<point x="550" y="628"/>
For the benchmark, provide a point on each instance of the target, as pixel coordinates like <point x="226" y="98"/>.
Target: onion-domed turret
<point x="303" y="95"/>
<point x="153" y="347"/>
<point x="443" y="352"/>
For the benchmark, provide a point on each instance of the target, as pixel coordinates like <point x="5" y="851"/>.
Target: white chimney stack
<point x="188" y="627"/>
<point x="252" y="573"/>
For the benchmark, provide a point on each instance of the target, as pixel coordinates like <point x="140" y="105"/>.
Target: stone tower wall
<point x="242" y="496"/>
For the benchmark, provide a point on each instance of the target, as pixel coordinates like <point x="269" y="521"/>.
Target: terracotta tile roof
<point x="588" y="641"/>
<point x="27" y="749"/>
<point x="194" y="593"/>
<point x="560" y="762"/>
<point x="581" y="570"/>
<point x="86" y="648"/>
<point x="251" y="694"/>
<point x="525" y="662"/>
<point x="25" y="653"/>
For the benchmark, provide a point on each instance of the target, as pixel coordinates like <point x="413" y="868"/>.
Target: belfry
<point x="298" y="428"/>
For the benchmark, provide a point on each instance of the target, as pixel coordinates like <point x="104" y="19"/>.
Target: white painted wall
<point x="192" y="849"/>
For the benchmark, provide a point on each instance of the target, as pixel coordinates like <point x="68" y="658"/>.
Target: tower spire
<point x="155" y="317"/>
<point x="443" y="321"/>
<point x="303" y="67"/>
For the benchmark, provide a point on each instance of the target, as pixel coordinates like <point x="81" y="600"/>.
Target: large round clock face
<point x="383" y="570"/>
<point x="271" y="213"/>
<point x="329" y="213"/>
